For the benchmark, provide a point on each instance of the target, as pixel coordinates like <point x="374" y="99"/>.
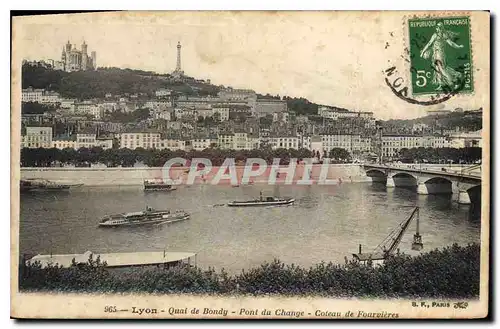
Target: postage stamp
<point x="441" y="56"/>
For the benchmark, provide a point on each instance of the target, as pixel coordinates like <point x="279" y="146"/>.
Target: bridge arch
<point x="435" y="185"/>
<point x="377" y="175"/>
<point x="403" y="179"/>
<point x="472" y="195"/>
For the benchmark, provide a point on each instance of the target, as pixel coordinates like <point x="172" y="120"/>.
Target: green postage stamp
<point x="441" y="57"/>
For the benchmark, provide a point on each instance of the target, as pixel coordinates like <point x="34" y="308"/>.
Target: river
<point x="326" y="223"/>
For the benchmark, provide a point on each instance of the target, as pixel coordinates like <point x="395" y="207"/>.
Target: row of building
<point x="35" y="137"/>
<point x="163" y="104"/>
<point x="42" y="136"/>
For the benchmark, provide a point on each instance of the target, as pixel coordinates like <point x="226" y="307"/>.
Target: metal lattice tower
<point x="178" y="67"/>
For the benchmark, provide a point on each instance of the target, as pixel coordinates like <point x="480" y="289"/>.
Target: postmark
<point x="437" y="60"/>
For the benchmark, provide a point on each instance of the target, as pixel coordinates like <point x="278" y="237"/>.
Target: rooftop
<point x="135" y="130"/>
<point x="87" y="131"/>
<point x="115" y="259"/>
<point x="64" y="138"/>
<point x="265" y="100"/>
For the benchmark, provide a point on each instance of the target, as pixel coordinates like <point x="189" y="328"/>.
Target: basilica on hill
<point x="73" y="59"/>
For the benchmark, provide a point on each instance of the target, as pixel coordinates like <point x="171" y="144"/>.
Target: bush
<point x="452" y="272"/>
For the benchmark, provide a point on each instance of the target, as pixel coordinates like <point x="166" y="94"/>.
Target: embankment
<point x="136" y="175"/>
<point x="102" y="176"/>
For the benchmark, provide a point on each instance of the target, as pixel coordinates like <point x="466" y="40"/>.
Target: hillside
<point x="96" y="84"/>
<point x="466" y="120"/>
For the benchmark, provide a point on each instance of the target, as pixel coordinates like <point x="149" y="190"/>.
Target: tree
<point x="266" y="120"/>
<point x="440" y="155"/>
<point x="127" y="156"/>
<point x="36" y="108"/>
<point x="340" y="154"/>
<point x="301" y="106"/>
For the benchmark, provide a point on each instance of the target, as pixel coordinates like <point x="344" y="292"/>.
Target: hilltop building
<point x="335" y="113"/>
<point x="73" y="59"/>
<point x="264" y="107"/>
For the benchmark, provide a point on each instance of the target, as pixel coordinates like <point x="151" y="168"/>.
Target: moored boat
<point x="263" y="201"/>
<point x="149" y="216"/>
<point x="157" y="185"/>
<point x="26" y="185"/>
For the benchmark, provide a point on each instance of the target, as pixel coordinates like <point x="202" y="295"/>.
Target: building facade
<point x="240" y="141"/>
<point x="39" y="96"/>
<point x="199" y="144"/>
<point x="90" y="108"/>
<point x="225" y="141"/>
<point x="393" y="143"/>
<point x="85" y="139"/>
<point x="335" y="113"/>
<point x="286" y="142"/>
<point x="230" y="94"/>
<point x="172" y="144"/>
<point x="264" y="107"/>
<point x="163" y="92"/>
<point x="37" y="137"/>
<point x="62" y="142"/>
<point x="351" y="142"/>
<point x="32" y="95"/>
<point x="464" y="139"/>
<point x="223" y="112"/>
<point x="104" y="142"/>
<point x="147" y="140"/>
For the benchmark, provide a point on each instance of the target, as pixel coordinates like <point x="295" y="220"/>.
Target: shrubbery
<point x="45" y="157"/>
<point x="452" y="272"/>
<point x="440" y="155"/>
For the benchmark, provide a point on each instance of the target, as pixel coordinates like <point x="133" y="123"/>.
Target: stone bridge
<point x="465" y="182"/>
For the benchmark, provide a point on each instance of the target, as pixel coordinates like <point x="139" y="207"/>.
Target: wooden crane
<point x="387" y="247"/>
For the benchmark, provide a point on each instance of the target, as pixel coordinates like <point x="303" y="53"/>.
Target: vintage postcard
<point x="250" y="165"/>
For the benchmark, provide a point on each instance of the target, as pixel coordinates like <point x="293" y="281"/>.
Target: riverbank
<point x="451" y="272"/>
<point x="135" y="176"/>
<point x="97" y="176"/>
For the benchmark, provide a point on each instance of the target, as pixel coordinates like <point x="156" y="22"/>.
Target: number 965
<point x="110" y="309"/>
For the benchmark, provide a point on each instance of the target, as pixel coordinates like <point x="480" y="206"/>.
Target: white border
<point x="197" y="5"/>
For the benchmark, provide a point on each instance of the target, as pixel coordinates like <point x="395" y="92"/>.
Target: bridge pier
<point x="422" y="189"/>
<point x="390" y="182"/>
<point x="463" y="197"/>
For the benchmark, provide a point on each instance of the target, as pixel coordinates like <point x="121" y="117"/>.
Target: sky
<point x="331" y="58"/>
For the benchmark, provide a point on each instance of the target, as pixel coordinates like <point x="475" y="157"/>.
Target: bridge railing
<point x="440" y="170"/>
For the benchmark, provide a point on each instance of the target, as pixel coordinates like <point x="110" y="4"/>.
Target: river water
<point x="326" y="223"/>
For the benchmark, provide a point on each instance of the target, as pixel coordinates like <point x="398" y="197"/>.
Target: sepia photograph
<point x="250" y="165"/>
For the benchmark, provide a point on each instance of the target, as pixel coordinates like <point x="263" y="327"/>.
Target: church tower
<point x="85" y="58"/>
<point x="93" y="56"/>
<point x="63" y="59"/>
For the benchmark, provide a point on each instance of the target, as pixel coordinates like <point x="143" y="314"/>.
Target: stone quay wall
<point x="136" y="175"/>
